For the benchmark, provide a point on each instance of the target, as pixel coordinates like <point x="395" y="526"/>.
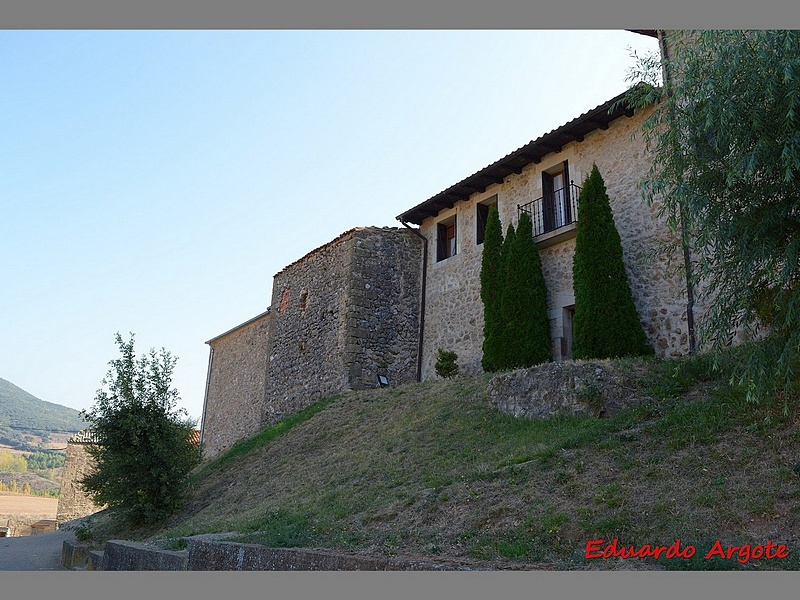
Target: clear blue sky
<point x="154" y="181"/>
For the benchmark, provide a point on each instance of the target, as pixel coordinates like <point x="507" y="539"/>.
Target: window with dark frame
<point x="481" y="216"/>
<point x="446" y="239"/>
<point x="555" y="197"/>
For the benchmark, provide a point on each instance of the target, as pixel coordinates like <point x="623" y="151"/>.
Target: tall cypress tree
<point x="605" y="324"/>
<point x="525" y="301"/>
<point x="506" y="341"/>
<point x="491" y="289"/>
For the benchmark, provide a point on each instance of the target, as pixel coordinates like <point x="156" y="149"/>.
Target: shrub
<point x="446" y="365"/>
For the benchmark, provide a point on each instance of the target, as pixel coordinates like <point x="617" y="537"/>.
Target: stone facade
<point x="73" y="502"/>
<point x="235" y="386"/>
<point x="342" y="315"/>
<point x="352" y="309"/>
<point x="454" y="311"/>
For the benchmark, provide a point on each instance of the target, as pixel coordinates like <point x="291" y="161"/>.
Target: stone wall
<point x="73" y="502"/>
<point x="236" y="385"/>
<point x="343" y="314"/>
<point x="454" y="315"/>
<point x="383" y="309"/>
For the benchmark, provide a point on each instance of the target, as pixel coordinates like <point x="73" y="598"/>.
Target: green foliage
<point x="446" y="365"/>
<point x="491" y="288"/>
<point x="524" y="301"/>
<point x="726" y="149"/>
<point x="506" y="340"/>
<point x="514" y="294"/>
<point x="143" y="453"/>
<point x="605" y="324"/>
<point x="39" y="461"/>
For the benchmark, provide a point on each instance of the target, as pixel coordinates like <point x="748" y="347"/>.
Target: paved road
<point x="33" y="553"/>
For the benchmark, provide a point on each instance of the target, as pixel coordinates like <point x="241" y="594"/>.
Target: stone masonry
<point x="73" y="502"/>
<point x="235" y="385"/>
<point x="342" y="315"/>
<point x="454" y="311"/>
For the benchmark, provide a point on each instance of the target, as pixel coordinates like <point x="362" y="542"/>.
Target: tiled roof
<point x="532" y="152"/>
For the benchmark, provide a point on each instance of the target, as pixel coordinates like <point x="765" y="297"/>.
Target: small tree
<point x="605" y="324"/>
<point x="143" y="451"/>
<point x="524" y="301"/>
<point x="491" y="289"/>
<point x="446" y="365"/>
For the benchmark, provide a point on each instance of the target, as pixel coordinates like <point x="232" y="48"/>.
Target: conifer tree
<point x="525" y="301"/>
<point x="491" y="289"/>
<point x="605" y="324"/>
<point x="506" y="339"/>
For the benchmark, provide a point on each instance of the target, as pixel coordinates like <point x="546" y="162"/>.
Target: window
<point x="446" y="239"/>
<point x="556" y="209"/>
<point x="482" y="216"/>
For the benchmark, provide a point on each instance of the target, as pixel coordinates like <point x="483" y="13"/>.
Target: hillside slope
<point x="431" y="470"/>
<point x="23" y="414"/>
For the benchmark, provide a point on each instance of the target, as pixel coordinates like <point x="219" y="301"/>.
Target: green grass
<point x="246" y="446"/>
<point x="432" y="469"/>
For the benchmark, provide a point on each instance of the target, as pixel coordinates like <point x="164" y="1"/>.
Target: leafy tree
<point x="605" y="324"/>
<point x="524" y="301"/>
<point x="725" y="141"/>
<point x="491" y="289"/>
<point x="143" y="451"/>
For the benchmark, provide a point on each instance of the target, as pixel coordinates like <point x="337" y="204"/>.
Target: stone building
<point x="73" y="502"/>
<point x="543" y="178"/>
<point x="341" y="316"/>
<point x="237" y="372"/>
<point x="382" y="301"/>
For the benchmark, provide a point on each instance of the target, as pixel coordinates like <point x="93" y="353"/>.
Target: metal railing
<point x="552" y="211"/>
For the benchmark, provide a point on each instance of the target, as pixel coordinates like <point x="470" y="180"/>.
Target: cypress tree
<point x="605" y="324"/>
<point x="506" y="342"/>
<point x="491" y="289"/>
<point x="525" y="301"/>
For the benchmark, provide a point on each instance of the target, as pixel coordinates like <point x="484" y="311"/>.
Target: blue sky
<point x="154" y="181"/>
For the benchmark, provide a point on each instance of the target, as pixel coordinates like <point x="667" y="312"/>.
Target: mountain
<point x="24" y="414"/>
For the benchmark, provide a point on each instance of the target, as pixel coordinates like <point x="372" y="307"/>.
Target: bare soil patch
<point x="22" y="505"/>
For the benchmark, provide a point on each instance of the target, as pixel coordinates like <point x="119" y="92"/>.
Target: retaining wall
<point x="203" y="555"/>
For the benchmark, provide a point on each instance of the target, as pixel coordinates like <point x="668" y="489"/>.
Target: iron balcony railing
<point x="551" y="211"/>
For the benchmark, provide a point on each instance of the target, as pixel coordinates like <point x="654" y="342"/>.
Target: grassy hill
<point x="23" y="414"/>
<point x="431" y="470"/>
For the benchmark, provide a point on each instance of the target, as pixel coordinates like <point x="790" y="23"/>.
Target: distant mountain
<point x="24" y="414"/>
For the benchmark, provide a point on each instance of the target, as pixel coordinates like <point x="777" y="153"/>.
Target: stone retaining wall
<point x="591" y="388"/>
<point x="203" y="555"/>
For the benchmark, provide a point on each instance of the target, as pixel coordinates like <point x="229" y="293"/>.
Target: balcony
<point x="553" y="215"/>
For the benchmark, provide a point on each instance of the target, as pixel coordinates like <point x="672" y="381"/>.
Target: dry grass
<point x="431" y="470"/>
